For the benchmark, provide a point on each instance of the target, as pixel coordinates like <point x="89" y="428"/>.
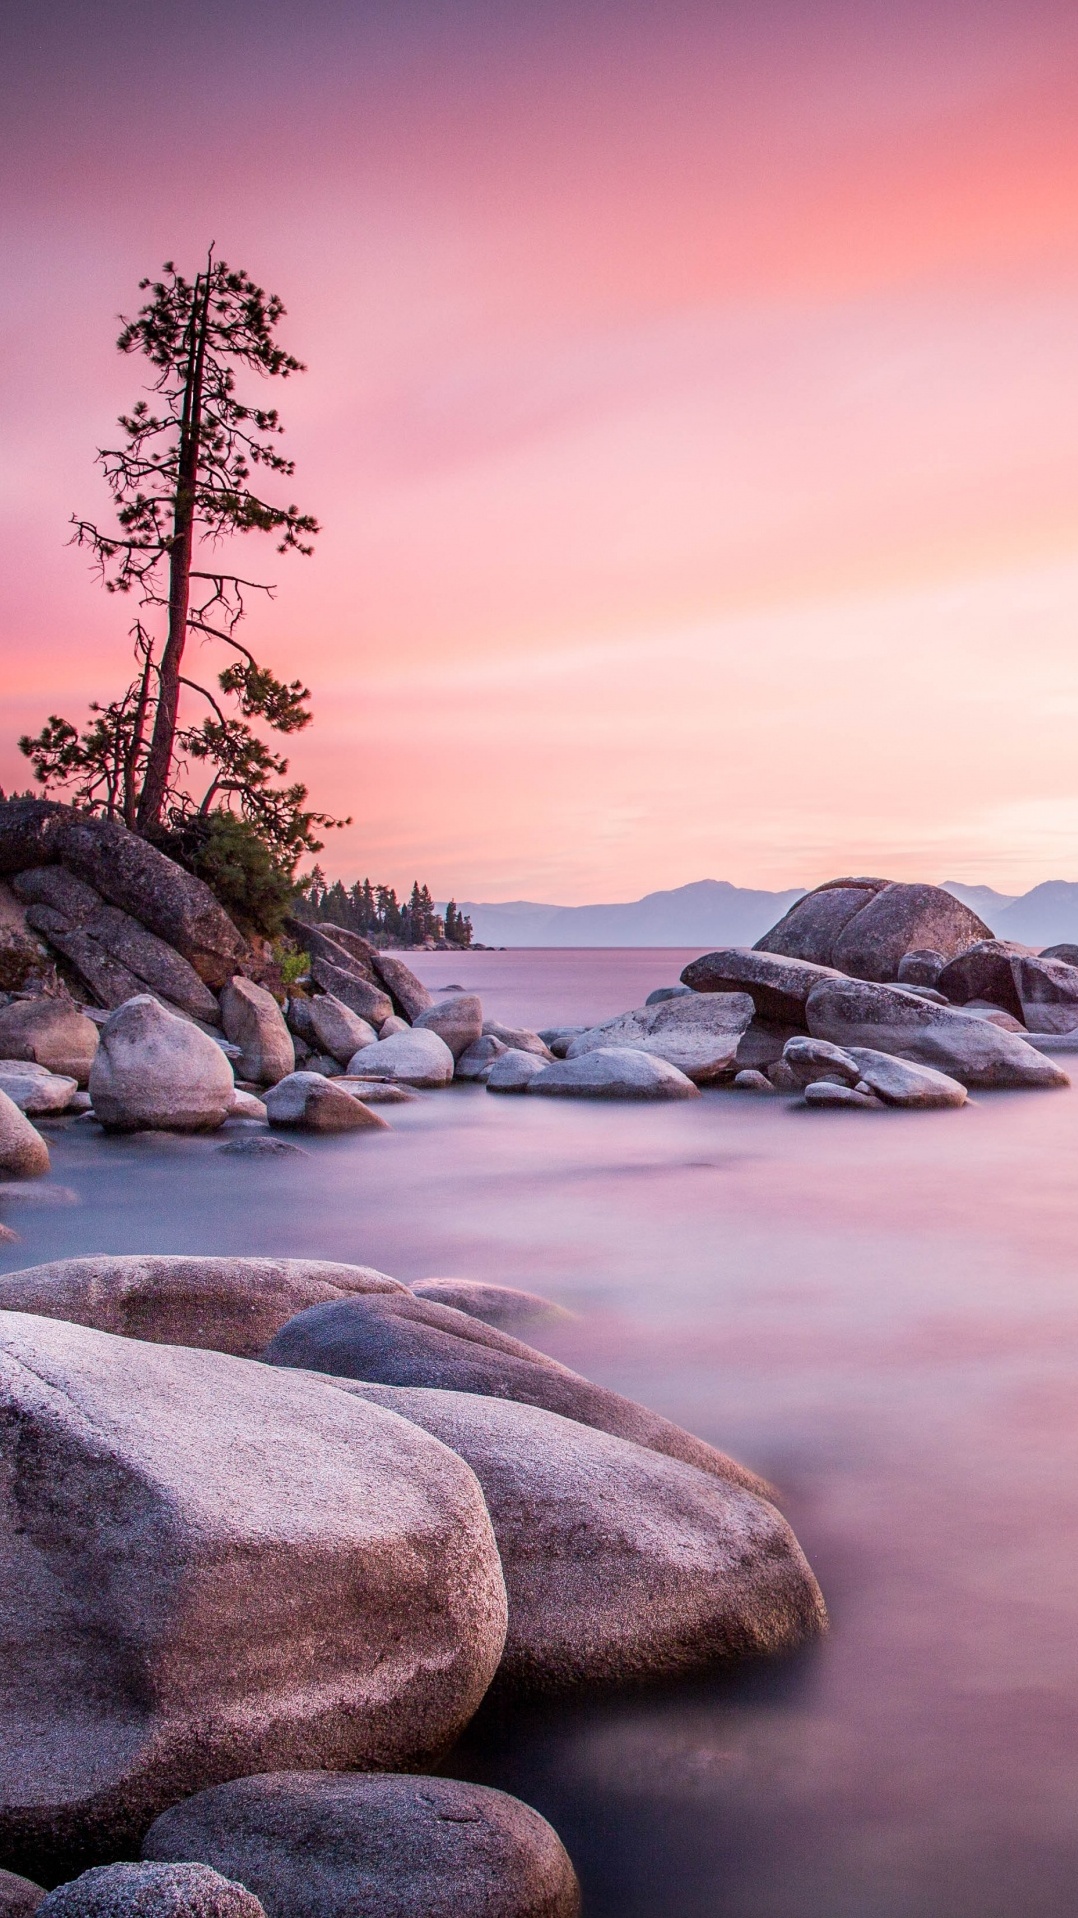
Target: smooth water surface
<point x="879" y="1311"/>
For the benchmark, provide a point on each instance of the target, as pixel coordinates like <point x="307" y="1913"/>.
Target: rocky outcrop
<point x="413" y="1058"/>
<point x="620" y="1564"/>
<point x="360" y="995"/>
<point x="501" y="1305"/>
<point x="976" y="1052"/>
<point x="409" y="995"/>
<point x="315" y="1844"/>
<point x="866" y="927"/>
<point x="778" y="985"/>
<point x="412" y="1341"/>
<point x="50" y="1032"/>
<point x="1039" y="991"/>
<point x="232" y="1305"/>
<point x="697" y="1032"/>
<point x="214" y="1568"/>
<point x="253" y="1020"/>
<point x="154" y="1069"/>
<point x="23" y="1152"/>
<point x="513" y="1071"/>
<point x="151" y="1891"/>
<point x="613" y="1072"/>
<point x="319" y="1105"/>
<point x="337" y="1029"/>
<point x="457" y="1019"/>
<point x="107" y="947"/>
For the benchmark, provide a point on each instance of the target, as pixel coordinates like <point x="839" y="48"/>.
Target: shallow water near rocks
<point x="879" y="1311"/>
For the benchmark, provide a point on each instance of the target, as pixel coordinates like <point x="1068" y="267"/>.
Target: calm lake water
<point x="877" y="1311"/>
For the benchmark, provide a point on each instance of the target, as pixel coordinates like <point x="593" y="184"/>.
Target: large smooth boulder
<point x="211" y="1568"/>
<point x="153" y="889"/>
<point x="413" y="1058"/>
<point x="477" y="1060"/>
<point x="362" y="997"/>
<point x="18" y="1896"/>
<point x="619" y="1564"/>
<point x="513" y="1071"/>
<point x="777" y="985"/>
<point x="457" y="1019"/>
<point x="319" y="1105"/>
<point x="865" y="927"/>
<point x="900" y="1082"/>
<point x="1040" y="992"/>
<point x="253" y="1020"/>
<point x="501" y="1305"/>
<point x="364" y="1845"/>
<point x="854" y="1012"/>
<point x="34" y="1089"/>
<point x="154" y="1069"/>
<point x="50" y="1032"/>
<point x="23" y="1152"/>
<point x="232" y="1305"/>
<point x="699" y="1032"/>
<point x="151" y="1891"/>
<point x="106" y="944"/>
<point x="337" y="1029"/>
<point x="413" y="1341"/>
<point x="409" y="995"/>
<point x="613" y="1072"/>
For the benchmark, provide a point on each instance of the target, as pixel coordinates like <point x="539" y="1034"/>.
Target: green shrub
<point x="254" y="885"/>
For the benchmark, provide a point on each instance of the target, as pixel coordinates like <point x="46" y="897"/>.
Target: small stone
<point x="782" y="1077"/>
<point x="752" y="1081"/>
<point x="393" y="1024"/>
<point x="318" y="1105"/>
<point x="824" y="1092"/>
<point x="662" y="993"/>
<point x="813" y="1060"/>
<point x="246" y="1106"/>
<point x="260" y="1147"/>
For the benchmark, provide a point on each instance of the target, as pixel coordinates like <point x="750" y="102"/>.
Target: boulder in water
<point x="613" y="1072"/>
<point x="49" y="1032"/>
<point x="854" y="1012"/>
<point x="253" y="1020"/>
<point x="23" y="1152"/>
<point x="457" y="1020"/>
<point x="155" y="1070"/>
<point x="413" y="1058"/>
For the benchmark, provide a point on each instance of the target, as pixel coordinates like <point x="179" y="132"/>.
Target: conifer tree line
<point x="373" y="910"/>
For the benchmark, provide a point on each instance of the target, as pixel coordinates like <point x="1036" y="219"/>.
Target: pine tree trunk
<point x="159" y="759"/>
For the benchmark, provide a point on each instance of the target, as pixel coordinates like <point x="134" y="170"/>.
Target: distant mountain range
<point x="711" y="912"/>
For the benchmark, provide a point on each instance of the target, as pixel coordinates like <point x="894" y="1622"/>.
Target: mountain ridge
<point x="714" y="912"/>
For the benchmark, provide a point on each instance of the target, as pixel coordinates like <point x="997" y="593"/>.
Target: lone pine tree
<point x="182" y="481"/>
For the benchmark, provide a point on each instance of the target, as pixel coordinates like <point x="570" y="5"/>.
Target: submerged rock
<point x="154" y="1069"/>
<point x="499" y="1305"/>
<point x="413" y="1341"/>
<point x="316" y="1844"/>
<point x="613" y="1072"/>
<point x="232" y="1305"/>
<point x="213" y="1568"/>
<point x="620" y="1564"/>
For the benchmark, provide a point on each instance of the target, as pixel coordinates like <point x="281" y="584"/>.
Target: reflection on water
<point x="877" y="1311"/>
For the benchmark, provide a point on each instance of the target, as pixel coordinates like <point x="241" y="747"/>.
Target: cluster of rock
<point x="867" y="993"/>
<point x="273" y="1529"/>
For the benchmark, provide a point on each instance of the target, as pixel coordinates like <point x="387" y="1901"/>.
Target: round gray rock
<point x="52" y="1033"/>
<point x="155" y="1070"/>
<point x="151" y="1891"/>
<point x="458" y="1020"/>
<point x="342" y="1845"/>
<point x="213" y="1568"/>
<point x="476" y="1062"/>
<point x="514" y="1071"/>
<point x="619" y="1564"/>
<point x="417" y="1057"/>
<point x="317" y="1104"/>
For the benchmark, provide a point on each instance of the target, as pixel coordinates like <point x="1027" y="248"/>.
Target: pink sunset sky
<point x="692" y="415"/>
